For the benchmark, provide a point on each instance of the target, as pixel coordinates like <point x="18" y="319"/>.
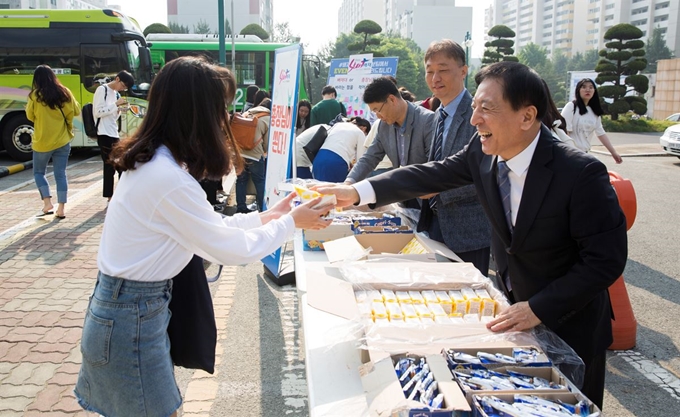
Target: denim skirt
<point x="126" y="368"/>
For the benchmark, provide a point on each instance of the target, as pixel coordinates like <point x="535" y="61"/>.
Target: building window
<point x="548" y="16"/>
<point x="640" y="10"/>
<point x="637" y="1"/>
<point x="547" y="9"/>
<point x="593" y="10"/>
<point x="661" y="5"/>
<point x="639" y="22"/>
<point x="661" y="18"/>
<point x="547" y="25"/>
<point x="610" y="17"/>
<point x="663" y="30"/>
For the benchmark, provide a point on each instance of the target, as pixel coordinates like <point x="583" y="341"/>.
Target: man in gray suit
<point x="404" y="134"/>
<point x="454" y="217"/>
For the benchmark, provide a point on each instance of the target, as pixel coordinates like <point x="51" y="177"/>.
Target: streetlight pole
<point x="220" y="29"/>
<point x="468" y="44"/>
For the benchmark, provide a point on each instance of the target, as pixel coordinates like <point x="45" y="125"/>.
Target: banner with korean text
<point x="281" y="133"/>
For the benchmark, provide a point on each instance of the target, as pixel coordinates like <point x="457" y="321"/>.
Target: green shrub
<point x="641" y="125"/>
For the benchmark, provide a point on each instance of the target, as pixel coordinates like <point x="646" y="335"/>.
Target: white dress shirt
<point x="159" y="218"/>
<point x="106" y="110"/>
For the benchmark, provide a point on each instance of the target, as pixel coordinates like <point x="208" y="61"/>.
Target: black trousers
<point x="593" y="385"/>
<point x="105" y="144"/>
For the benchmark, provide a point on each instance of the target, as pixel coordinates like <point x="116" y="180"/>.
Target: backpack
<point x="88" y="118"/>
<point x="244" y="129"/>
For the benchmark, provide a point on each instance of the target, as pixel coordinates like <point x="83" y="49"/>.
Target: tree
<point x="227" y="28"/>
<point x="533" y="55"/>
<point x="156" y="28"/>
<point x="177" y="28"/>
<point x="202" y="27"/>
<point x="283" y="34"/>
<point x="411" y="66"/>
<point x="501" y="48"/>
<point x="656" y="49"/>
<point x="255" y="29"/>
<point x="366" y="28"/>
<point x="623" y="55"/>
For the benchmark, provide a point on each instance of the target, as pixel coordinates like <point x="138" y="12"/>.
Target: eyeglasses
<point x="381" y="107"/>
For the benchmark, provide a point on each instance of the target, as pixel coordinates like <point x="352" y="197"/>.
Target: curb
<point x="629" y="155"/>
<point x="13" y="169"/>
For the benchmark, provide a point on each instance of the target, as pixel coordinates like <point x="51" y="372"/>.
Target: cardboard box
<point x="313" y="240"/>
<point x="551" y="374"/>
<point x="385" y="397"/>
<point x="569" y="398"/>
<point x="360" y="230"/>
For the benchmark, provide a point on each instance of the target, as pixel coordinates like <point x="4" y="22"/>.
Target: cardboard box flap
<point x="332" y="295"/>
<point x="454" y="397"/>
<point x="383" y="392"/>
<point x="346" y="248"/>
<point x="437" y="247"/>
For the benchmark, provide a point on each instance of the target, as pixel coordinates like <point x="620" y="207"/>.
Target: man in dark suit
<point x="453" y="217"/>
<point x="404" y="134"/>
<point x="559" y="234"/>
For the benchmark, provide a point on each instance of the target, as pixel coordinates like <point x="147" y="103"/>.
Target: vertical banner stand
<point x="279" y="266"/>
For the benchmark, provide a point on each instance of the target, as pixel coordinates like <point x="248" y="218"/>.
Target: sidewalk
<point x="645" y="149"/>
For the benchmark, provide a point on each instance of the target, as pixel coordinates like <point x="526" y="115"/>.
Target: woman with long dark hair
<point x="51" y="107"/>
<point x="157" y="220"/>
<point x="304" y="116"/>
<point x="583" y="123"/>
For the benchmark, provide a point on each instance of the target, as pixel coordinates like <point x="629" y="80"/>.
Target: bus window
<point x="23" y="60"/>
<point x="100" y="62"/>
<point x="139" y="73"/>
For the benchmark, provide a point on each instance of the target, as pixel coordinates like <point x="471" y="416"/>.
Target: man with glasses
<point x="404" y="133"/>
<point x="107" y="106"/>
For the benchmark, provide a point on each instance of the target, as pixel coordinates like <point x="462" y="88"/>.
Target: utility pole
<point x="220" y="26"/>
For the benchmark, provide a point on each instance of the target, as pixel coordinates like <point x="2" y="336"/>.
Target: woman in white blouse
<point x="583" y="123"/>
<point x="156" y="221"/>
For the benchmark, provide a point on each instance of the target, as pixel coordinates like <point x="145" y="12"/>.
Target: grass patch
<point x="626" y="124"/>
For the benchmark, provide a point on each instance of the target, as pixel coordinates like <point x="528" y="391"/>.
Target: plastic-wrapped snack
<point x="388" y="296"/>
<point x="394" y="312"/>
<point x="374" y="296"/>
<point x="474" y="302"/>
<point x="365" y="310"/>
<point x="423" y="312"/>
<point x="381" y="320"/>
<point x="497" y="358"/>
<point x="437" y="401"/>
<point x="413" y="247"/>
<point x="442" y="320"/>
<point x="457" y="319"/>
<point x="430" y="297"/>
<point x="488" y="307"/>
<point x="471" y="318"/>
<point x="445" y="301"/>
<point x="403" y="297"/>
<point x="409" y="311"/>
<point x="361" y="296"/>
<point x="412" y="320"/>
<point x="379" y="310"/>
<point x="437" y="310"/>
<point x="460" y="305"/>
<point x="416" y="297"/>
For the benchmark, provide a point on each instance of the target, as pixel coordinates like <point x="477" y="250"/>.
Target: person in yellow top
<point x="51" y="107"/>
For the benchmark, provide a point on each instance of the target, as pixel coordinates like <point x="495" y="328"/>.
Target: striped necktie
<point x="504" y="190"/>
<point x="438" y="144"/>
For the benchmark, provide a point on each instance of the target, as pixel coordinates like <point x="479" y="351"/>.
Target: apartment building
<point x="190" y="12"/>
<point x="421" y="20"/>
<point x="579" y="25"/>
<point x="352" y="12"/>
<point x="54" y="4"/>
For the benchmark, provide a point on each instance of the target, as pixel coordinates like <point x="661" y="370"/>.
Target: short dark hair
<point x="329" y="89"/>
<point x="594" y="102"/>
<point x="126" y="78"/>
<point x="259" y="96"/>
<point x="250" y="92"/>
<point x="447" y="47"/>
<point x="521" y="85"/>
<point x="379" y="89"/>
<point x="360" y="121"/>
<point x="407" y="95"/>
<point x="195" y="127"/>
<point x="266" y="103"/>
<point x="552" y="114"/>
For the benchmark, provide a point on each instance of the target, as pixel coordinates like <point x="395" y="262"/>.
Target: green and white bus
<point x="254" y="59"/>
<point x="84" y="48"/>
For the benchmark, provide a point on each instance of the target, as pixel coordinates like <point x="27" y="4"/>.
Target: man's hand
<point x="517" y="317"/>
<point x="346" y="195"/>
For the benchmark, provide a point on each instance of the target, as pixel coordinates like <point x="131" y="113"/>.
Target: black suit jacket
<point x="569" y="243"/>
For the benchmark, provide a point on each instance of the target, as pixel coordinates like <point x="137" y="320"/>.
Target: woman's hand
<point x="309" y="216"/>
<point x="617" y="158"/>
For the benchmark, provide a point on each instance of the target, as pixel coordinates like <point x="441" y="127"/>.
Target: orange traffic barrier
<point x="624" y="325"/>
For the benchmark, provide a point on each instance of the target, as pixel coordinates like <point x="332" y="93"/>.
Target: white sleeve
<point x="599" y="130"/>
<point x="99" y="105"/>
<point x="568" y="114"/>
<point x="233" y="240"/>
<point x="366" y="192"/>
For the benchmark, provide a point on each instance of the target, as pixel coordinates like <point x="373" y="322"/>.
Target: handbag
<point x="68" y="129"/>
<point x="192" y="329"/>
<point x="314" y="145"/>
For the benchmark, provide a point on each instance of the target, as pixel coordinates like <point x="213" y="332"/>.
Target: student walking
<point x="51" y="107"/>
<point x="107" y="106"/>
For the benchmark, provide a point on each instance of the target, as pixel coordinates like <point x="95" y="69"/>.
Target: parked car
<point x="670" y="140"/>
<point x="675" y="117"/>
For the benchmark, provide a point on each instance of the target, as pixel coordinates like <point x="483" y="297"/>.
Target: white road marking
<point x="293" y="378"/>
<point x="653" y="371"/>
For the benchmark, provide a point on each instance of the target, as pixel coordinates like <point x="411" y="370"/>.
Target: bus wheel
<point x="17" y="137"/>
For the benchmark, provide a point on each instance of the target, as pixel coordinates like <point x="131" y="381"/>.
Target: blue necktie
<point x="438" y="144"/>
<point x="504" y="190"/>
